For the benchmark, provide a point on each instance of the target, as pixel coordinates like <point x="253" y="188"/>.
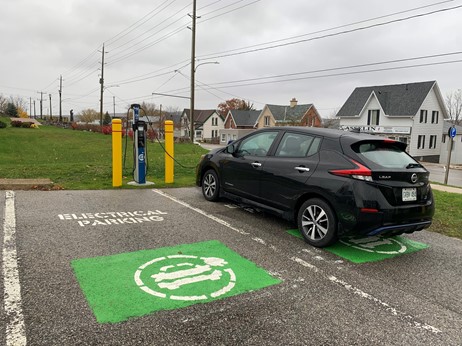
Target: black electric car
<point x="330" y="182"/>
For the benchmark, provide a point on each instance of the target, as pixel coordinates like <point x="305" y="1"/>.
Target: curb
<point x="25" y="184"/>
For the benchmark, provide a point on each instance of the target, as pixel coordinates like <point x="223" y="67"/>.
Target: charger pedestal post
<point x="169" y="155"/>
<point x="116" y="152"/>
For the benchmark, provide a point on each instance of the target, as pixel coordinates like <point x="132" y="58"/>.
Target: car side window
<point x="257" y="145"/>
<point x="297" y="145"/>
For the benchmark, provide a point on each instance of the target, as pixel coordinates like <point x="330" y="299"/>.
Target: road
<point x="438" y="171"/>
<point x="80" y="252"/>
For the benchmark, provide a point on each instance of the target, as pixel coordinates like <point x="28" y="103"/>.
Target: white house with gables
<point x="413" y="113"/>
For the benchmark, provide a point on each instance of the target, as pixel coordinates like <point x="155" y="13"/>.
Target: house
<point x="413" y="113"/>
<point x="291" y="115"/>
<point x="207" y="124"/>
<point x="237" y="124"/>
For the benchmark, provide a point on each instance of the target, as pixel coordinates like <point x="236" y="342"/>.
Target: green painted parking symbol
<point x="358" y="249"/>
<point x="135" y="284"/>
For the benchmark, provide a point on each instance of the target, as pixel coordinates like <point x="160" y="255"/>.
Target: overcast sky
<point x="308" y="48"/>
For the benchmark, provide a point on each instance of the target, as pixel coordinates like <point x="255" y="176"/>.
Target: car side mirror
<point x="230" y="149"/>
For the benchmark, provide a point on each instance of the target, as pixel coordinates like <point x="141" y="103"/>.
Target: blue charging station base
<point x="134" y="183"/>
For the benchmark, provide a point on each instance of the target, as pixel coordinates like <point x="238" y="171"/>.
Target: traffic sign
<point x="452" y="131"/>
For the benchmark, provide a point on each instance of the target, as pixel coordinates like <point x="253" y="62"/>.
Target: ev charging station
<point x="140" y="165"/>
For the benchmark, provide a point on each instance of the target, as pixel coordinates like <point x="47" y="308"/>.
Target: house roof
<point x="201" y="115"/>
<point x="398" y="99"/>
<point x="244" y="117"/>
<point x="283" y="113"/>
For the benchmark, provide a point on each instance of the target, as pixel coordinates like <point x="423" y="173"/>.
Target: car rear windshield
<point x="384" y="154"/>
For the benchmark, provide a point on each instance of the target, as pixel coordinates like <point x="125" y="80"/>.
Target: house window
<point x="421" y="142"/>
<point x="444" y="139"/>
<point x="435" y="117"/>
<point x="373" y="117"/>
<point x="267" y="120"/>
<point x="432" y="141"/>
<point x="423" y="116"/>
<point x="223" y="137"/>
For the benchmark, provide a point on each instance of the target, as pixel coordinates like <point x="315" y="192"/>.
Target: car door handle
<point x="302" y="169"/>
<point x="256" y="164"/>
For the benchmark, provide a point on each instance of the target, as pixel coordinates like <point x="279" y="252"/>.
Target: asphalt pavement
<point x="66" y="244"/>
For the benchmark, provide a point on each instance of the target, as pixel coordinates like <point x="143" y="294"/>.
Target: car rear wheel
<point x="317" y="223"/>
<point x="210" y="185"/>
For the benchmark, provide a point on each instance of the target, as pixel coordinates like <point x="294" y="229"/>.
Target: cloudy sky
<point x="267" y="51"/>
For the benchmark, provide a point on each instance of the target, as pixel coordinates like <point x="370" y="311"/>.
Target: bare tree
<point x="454" y="106"/>
<point x="3" y="104"/>
<point x="88" y="115"/>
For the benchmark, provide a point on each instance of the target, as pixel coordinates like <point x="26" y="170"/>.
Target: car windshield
<point x="384" y="154"/>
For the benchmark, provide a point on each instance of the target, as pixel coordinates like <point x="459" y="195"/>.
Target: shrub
<point x="2" y="125"/>
<point x="16" y="123"/>
<point x="107" y="130"/>
<point x="26" y="125"/>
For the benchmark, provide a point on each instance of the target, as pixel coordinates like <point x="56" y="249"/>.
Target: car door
<point x="241" y="171"/>
<point x="284" y="174"/>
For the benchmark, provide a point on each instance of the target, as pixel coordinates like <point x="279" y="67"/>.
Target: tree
<point x="225" y="107"/>
<point x="22" y="113"/>
<point x="107" y="119"/>
<point x="88" y="115"/>
<point x="3" y="104"/>
<point x="11" y="110"/>
<point x="454" y="106"/>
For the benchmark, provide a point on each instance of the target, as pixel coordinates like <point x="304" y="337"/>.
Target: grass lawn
<point x="77" y="160"/>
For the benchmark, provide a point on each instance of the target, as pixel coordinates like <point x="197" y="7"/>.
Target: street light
<point x="193" y="85"/>
<point x="101" y="107"/>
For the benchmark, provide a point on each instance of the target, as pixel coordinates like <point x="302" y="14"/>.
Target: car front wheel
<point x="210" y="186"/>
<point x="317" y="223"/>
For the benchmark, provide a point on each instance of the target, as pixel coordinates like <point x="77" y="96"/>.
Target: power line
<point x="228" y="53"/>
<point x="342" y="68"/>
<point x="342" y="74"/>
<point x="137" y="24"/>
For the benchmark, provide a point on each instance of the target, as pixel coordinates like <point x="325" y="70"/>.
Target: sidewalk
<point x="446" y="188"/>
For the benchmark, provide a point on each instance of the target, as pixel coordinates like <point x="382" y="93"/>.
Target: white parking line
<point x="15" y="327"/>
<point x="395" y="312"/>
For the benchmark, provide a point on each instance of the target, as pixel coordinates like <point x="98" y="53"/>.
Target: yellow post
<point x="116" y="152"/>
<point x="169" y="155"/>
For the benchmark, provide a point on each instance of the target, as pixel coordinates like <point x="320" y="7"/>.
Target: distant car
<point x="330" y="182"/>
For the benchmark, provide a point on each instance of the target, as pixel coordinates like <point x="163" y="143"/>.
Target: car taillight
<point x="360" y="173"/>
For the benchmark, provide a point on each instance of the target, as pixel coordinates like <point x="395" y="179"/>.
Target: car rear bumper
<point x="400" y="229"/>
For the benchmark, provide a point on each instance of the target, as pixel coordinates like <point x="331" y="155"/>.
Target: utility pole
<point x="41" y="103"/>
<point x="30" y="107"/>
<point x="193" y="68"/>
<point x="101" y="81"/>
<point x="113" y="103"/>
<point x="60" y="104"/>
<point x="35" y="113"/>
<point x="51" y="109"/>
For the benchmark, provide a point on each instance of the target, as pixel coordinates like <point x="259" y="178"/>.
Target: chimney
<point x="293" y="102"/>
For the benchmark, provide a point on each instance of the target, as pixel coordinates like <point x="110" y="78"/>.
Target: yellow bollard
<point x="169" y="155"/>
<point x="116" y="152"/>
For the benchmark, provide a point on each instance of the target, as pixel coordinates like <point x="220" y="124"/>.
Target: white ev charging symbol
<point x="388" y="246"/>
<point x="172" y="273"/>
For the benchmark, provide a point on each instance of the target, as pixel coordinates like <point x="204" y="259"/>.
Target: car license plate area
<point x="409" y="194"/>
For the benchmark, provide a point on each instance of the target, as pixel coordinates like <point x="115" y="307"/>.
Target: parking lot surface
<point x="165" y="267"/>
